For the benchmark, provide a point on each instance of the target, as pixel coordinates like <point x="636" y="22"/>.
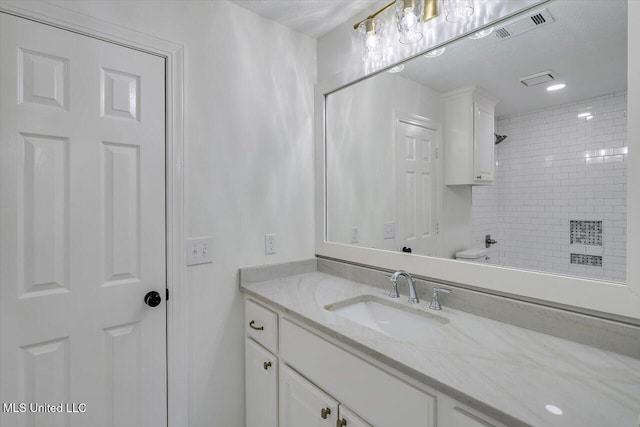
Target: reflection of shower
<point x="500" y="138"/>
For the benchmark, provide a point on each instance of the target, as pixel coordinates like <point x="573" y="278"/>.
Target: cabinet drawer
<point x="261" y="324"/>
<point x="361" y="386"/>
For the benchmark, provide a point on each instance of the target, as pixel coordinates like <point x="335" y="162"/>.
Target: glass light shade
<point x="458" y="10"/>
<point x="371" y="31"/>
<point x="398" y="68"/>
<point x="481" y="34"/>
<point x="409" y="16"/>
<point x="435" y="52"/>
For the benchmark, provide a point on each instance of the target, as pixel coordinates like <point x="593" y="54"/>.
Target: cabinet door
<point x="261" y="385"/>
<point x="484" y="143"/>
<point x="349" y="419"/>
<point x="302" y="404"/>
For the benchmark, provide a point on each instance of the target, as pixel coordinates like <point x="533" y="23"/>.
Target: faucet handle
<point x="435" y="303"/>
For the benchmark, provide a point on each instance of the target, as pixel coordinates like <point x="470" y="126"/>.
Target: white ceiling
<point x="585" y="46"/>
<point x="312" y="17"/>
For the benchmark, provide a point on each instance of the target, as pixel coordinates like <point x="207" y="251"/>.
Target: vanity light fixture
<point x="481" y="34"/>
<point x="458" y="10"/>
<point x="555" y="87"/>
<point x="372" y="31"/>
<point x="396" y="69"/>
<point x="434" y="53"/>
<point x="409" y="14"/>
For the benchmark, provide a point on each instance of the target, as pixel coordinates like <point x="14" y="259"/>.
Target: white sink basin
<point x="390" y="318"/>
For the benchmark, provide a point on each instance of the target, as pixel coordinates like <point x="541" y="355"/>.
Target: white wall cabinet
<point x="312" y="382"/>
<point x="469" y="142"/>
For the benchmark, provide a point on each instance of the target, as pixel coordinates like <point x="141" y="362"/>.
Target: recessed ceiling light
<point x="434" y="53"/>
<point x="396" y="69"/>
<point x="584" y="115"/>
<point x="554" y="410"/>
<point x="556" y="87"/>
<point x="481" y="34"/>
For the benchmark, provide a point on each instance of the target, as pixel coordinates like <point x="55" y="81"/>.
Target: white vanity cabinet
<point x="261" y="366"/>
<point x="469" y="140"/>
<point x="298" y="377"/>
<point x="304" y="404"/>
<point x="261" y="385"/>
<point x="380" y="398"/>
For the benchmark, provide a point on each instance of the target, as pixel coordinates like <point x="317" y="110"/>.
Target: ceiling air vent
<point x="525" y="24"/>
<point x="538" y="78"/>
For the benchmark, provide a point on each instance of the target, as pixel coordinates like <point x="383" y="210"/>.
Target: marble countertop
<point x="507" y="372"/>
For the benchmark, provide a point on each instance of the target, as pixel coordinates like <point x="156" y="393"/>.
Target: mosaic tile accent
<point x="586" y="232"/>
<point x="592" y="260"/>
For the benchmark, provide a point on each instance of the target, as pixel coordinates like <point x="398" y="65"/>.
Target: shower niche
<point x="586" y="242"/>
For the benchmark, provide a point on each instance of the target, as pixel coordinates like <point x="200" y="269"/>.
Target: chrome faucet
<point x="435" y="303"/>
<point x="413" y="298"/>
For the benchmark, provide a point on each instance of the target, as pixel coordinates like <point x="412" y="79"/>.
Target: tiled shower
<point x="558" y="203"/>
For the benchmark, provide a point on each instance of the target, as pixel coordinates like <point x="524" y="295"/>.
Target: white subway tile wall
<point x="558" y="164"/>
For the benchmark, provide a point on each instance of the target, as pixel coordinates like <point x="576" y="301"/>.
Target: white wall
<point x="555" y="167"/>
<point x="248" y="171"/>
<point x="361" y="169"/>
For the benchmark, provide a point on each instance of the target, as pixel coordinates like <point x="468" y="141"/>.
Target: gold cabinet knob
<point x="341" y="422"/>
<point x="324" y="412"/>
<point x="266" y="365"/>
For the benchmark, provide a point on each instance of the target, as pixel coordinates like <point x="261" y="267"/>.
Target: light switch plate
<point x="389" y="230"/>
<point x="199" y="250"/>
<point x="355" y="235"/>
<point x="270" y="244"/>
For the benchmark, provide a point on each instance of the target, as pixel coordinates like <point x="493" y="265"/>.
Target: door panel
<point x="349" y="419"/>
<point x="261" y="385"/>
<point x="302" y="403"/>
<point x="82" y="236"/>
<point x="416" y="188"/>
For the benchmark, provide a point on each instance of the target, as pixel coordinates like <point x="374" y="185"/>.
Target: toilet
<point x="473" y="255"/>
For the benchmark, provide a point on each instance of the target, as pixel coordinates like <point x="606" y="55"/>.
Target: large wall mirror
<point x="506" y="149"/>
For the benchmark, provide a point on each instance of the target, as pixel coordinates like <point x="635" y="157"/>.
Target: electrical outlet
<point x="389" y="230"/>
<point x="199" y="250"/>
<point x="269" y="244"/>
<point x="355" y="235"/>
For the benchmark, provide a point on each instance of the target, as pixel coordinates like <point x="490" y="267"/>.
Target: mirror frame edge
<point x="606" y="298"/>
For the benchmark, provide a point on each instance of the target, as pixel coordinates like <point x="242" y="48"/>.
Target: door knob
<point x="152" y="299"/>
<point x="341" y="422"/>
<point x="266" y="365"/>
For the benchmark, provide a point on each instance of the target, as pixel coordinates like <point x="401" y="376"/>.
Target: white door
<point x="416" y="188"/>
<point x="261" y="385"/>
<point x="82" y="230"/>
<point x="302" y="404"/>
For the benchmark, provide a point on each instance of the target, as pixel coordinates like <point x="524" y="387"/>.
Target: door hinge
<point x="437" y="228"/>
<point x="437" y="153"/>
<point x="167" y="294"/>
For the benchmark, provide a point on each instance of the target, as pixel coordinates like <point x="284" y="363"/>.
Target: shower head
<point x="500" y="138"/>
